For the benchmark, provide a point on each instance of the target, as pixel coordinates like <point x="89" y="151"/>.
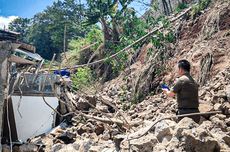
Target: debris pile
<point x="97" y="130"/>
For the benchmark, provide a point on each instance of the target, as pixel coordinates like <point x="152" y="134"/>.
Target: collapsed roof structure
<point x="23" y="90"/>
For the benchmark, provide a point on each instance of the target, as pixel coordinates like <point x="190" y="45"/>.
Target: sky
<point x="11" y="9"/>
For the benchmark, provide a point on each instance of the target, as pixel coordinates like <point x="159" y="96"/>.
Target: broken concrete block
<point x="200" y="140"/>
<point x="144" y="144"/>
<point x="164" y="129"/>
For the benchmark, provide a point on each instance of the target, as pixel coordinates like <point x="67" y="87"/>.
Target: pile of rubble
<point x="112" y="120"/>
<point x="90" y="134"/>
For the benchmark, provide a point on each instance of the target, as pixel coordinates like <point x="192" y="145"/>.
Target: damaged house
<point x="27" y="96"/>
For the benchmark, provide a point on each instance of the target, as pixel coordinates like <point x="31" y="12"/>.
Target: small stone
<point x="226" y="139"/>
<point x="227" y="122"/>
<point x="85" y="146"/>
<point x="144" y="144"/>
<point x="217" y="86"/>
<point x="91" y="99"/>
<point x="215" y="99"/>
<point x="217" y="107"/>
<point x="150" y="107"/>
<point x="221" y="94"/>
<point x="99" y="129"/>
<point x="67" y="137"/>
<point x="205" y="107"/>
<point x="82" y="105"/>
<point x="28" y="148"/>
<point x="5" y="148"/>
<point x="95" y="149"/>
<point x="228" y="92"/>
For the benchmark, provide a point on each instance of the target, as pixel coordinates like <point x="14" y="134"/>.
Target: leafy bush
<point x="180" y="7"/>
<point x="196" y="9"/>
<point x="82" y="78"/>
<point x="94" y="36"/>
<point x="77" y="56"/>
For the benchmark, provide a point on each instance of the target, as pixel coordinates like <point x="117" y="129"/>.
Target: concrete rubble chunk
<point x="184" y="124"/>
<point x="65" y="148"/>
<point x="200" y="140"/>
<point x="144" y="144"/>
<point x="164" y="130"/>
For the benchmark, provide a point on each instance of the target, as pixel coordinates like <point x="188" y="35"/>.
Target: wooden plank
<point x="27" y="47"/>
<point x="19" y="60"/>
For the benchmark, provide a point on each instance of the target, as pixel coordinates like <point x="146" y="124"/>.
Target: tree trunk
<point x="106" y="30"/>
<point x="116" y="33"/>
<point x="166" y="8"/>
<point x="170" y="6"/>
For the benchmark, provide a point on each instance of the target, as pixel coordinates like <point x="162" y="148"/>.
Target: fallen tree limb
<point x="107" y="102"/>
<point x="109" y="121"/>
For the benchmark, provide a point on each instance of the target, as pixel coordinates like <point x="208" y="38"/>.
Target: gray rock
<point x="228" y="92"/>
<point x="91" y="99"/>
<point x="226" y="139"/>
<point x="200" y="140"/>
<point x="218" y="122"/>
<point x="65" y="148"/>
<point x="99" y="128"/>
<point x="5" y="148"/>
<point x="85" y="146"/>
<point x="164" y="130"/>
<point x="217" y="107"/>
<point x="95" y="149"/>
<point x="185" y="124"/>
<point x="28" y="148"/>
<point x="144" y="144"/>
<point x="56" y="147"/>
<point x="221" y="94"/>
<point x="82" y="104"/>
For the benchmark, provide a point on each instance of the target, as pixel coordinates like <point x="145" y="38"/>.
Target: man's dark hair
<point x="185" y="65"/>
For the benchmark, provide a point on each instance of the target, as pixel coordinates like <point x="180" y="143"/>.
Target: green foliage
<point x="46" y="29"/>
<point x="180" y="7"/>
<point x="102" y="9"/>
<point x="93" y="36"/>
<point x="82" y="78"/>
<point x="77" y="55"/>
<point x="196" y="9"/>
<point x="20" y="25"/>
<point x="159" y="39"/>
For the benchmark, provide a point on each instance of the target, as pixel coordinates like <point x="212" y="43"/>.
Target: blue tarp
<point x="63" y="73"/>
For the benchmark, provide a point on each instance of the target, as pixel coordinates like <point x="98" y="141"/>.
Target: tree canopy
<point x="46" y="30"/>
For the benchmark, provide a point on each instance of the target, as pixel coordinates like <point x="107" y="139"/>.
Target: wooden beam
<point x="20" y="60"/>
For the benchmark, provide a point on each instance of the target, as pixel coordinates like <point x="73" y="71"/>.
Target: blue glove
<point x="165" y="87"/>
